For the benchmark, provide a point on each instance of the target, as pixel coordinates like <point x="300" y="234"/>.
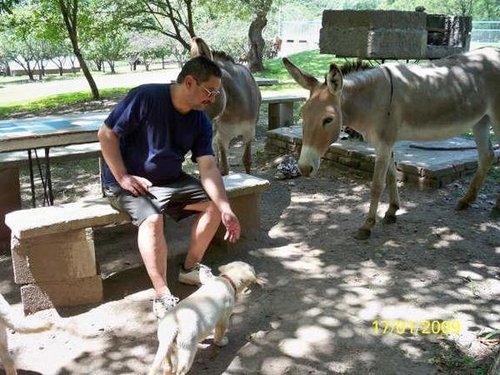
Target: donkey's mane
<point x="354" y="66"/>
<point x="221" y="55"/>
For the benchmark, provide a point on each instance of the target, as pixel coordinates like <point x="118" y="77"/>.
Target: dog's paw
<point x="222" y="342"/>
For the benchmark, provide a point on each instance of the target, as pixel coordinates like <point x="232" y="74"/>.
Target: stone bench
<point x="280" y="112"/>
<point x="10" y="164"/>
<point x="53" y="252"/>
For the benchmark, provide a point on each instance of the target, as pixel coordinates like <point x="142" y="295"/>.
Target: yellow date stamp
<point x="416" y="327"/>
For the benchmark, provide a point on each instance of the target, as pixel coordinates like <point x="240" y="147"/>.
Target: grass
<point x="495" y="173"/>
<point x="450" y="359"/>
<point x="310" y="61"/>
<point x="54" y="102"/>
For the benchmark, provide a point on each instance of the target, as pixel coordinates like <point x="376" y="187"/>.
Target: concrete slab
<point x="430" y="164"/>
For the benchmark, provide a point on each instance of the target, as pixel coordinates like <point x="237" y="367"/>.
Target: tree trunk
<point x="29" y="71"/>
<point x="69" y="13"/>
<point x="112" y="66"/>
<point x="257" y="43"/>
<point x="86" y="73"/>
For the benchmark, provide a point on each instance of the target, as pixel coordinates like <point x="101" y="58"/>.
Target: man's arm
<point x="110" y="148"/>
<point x="211" y="180"/>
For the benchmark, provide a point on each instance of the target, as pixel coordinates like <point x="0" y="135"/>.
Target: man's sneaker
<point x="162" y="305"/>
<point x="199" y="274"/>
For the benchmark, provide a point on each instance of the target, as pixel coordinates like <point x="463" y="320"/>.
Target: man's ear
<point x="189" y="81"/>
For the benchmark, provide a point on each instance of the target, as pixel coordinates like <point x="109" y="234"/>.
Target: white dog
<point x="18" y="324"/>
<point x="194" y="318"/>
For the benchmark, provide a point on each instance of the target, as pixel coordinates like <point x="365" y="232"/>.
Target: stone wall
<point x="424" y="168"/>
<point x="390" y="34"/>
<point x="372" y="34"/>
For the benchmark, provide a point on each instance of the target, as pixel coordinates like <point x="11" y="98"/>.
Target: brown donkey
<point x="236" y="110"/>
<point x="403" y="102"/>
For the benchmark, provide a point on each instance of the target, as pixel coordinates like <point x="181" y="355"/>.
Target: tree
<point x="254" y="10"/>
<point x="6" y="6"/>
<point x="69" y="12"/>
<point x="21" y="39"/>
<point x="174" y="19"/>
<point x="255" y="40"/>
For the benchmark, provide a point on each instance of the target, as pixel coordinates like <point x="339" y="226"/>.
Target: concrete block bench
<point x="10" y="164"/>
<point x="53" y="251"/>
<point x="280" y="111"/>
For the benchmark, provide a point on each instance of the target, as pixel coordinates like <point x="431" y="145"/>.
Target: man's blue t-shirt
<point x="154" y="136"/>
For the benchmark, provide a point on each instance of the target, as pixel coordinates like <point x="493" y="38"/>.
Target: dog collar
<point x="230" y="282"/>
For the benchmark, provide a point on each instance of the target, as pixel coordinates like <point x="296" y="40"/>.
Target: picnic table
<point x="34" y="135"/>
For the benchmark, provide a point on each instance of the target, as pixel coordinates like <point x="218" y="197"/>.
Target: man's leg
<point x="153" y="249"/>
<point x="203" y="230"/>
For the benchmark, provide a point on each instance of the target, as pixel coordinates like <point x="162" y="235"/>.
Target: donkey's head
<point x="321" y="115"/>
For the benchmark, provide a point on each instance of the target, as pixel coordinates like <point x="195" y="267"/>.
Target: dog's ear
<point x="223" y="268"/>
<point x="260" y="281"/>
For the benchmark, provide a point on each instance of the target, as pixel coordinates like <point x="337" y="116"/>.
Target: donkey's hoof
<point x="461" y="205"/>
<point x="362" y="234"/>
<point x="389" y="219"/>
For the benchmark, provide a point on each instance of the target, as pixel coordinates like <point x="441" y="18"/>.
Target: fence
<point x="486" y="32"/>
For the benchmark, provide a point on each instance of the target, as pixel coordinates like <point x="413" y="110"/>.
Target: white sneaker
<point x="162" y="305"/>
<point x="199" y="274"/>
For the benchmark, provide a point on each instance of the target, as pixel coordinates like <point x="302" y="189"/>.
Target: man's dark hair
<point x="200" y="68"/>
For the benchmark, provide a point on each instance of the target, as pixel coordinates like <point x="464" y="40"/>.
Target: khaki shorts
<point x="170" y="199"/>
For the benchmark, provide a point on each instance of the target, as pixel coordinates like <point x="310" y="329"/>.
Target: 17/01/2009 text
<point x="416" y="327"/>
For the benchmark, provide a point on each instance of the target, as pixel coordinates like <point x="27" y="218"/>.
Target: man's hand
<point x="232" y="225"/>
<point x="135" y="184"/>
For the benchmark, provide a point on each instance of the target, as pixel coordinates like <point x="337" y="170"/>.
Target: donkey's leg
<point x="495" y="123"/>
<point x="485" y="159"/>
<point x="392" y="186"/>
<point x="215" y="146"/>
<point x="222" y="145"/>
<point x="382" y="161"/>
<point x="247" y="156"/>
<point x="247" y="143"/>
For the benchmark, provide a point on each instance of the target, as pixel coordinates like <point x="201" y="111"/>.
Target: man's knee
<point x="152" y="222"/>
<point x="205" y="206"/>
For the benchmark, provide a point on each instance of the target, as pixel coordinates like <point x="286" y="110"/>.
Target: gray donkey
<point x="236" y="110"/>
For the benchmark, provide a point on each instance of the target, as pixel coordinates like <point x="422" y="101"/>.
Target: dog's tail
<point x="21" y="324"/>
<point x="166" y="350"/>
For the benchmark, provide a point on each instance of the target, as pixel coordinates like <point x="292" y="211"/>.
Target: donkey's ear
<point x="200" y="48"/>
<point x="334" y="80"/>
<point x="306" y="80"/>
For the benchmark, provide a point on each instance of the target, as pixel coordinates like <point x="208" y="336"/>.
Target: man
<point x="144" y="142"/>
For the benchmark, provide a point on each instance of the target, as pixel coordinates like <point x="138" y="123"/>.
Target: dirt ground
<point x="326" y="291"/>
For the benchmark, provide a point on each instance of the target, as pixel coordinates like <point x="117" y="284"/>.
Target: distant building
<point x="299" y="36"/>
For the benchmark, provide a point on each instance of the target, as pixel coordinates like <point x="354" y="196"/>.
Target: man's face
<point x="205" y="92"/>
